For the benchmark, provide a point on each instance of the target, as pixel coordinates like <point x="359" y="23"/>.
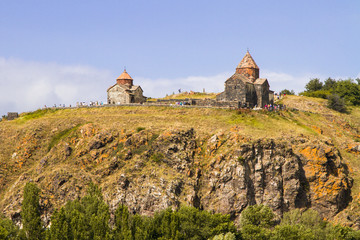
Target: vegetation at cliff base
<point x="89" y="218"/>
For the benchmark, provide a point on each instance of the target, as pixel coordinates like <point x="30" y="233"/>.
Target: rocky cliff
<point x="221" y="169"/>
<point x="223" y="173"/>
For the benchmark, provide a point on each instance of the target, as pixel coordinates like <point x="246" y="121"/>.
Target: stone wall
<point x="138" y="96"/>
<point x="12" y="115"/>
<point x="118" y="95"/>
<point x="235" y="90"/>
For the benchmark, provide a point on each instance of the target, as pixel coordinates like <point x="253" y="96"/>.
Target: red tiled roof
<point x="125" y="75"/>
<point x="247" y="62"/>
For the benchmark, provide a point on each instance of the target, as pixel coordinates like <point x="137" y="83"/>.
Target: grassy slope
<point x="49" y="126"/>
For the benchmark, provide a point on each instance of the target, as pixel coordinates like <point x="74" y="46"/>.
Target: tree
<point x="348" y="90"/>
<point x="96" y="212"/>
<point x="122" y="223"/>
<point x="256" y="222"/>
<point x="336" y="103"/>
<point x="197" y="224"/>
<point x="60" y="226"/>
<point x="227" y="236"/>
<point x="8" y="230"/>
<point x="287" y="92"/>
<point x="30" y="212"/>
<point x="329" y="84"/>
<point x="87" y="218"/>
<point x="313" y="85"/>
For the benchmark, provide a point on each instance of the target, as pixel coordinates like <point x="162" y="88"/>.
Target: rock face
<point x="150" y="171"/>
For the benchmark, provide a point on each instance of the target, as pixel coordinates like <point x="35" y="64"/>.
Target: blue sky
<point x="55" y="52"/>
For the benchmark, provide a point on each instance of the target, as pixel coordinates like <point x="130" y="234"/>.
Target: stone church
<point x="124" y="91"/>
<point x="246" y="87"/>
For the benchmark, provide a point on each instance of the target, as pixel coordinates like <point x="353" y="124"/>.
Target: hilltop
<point x="222" y="160"/>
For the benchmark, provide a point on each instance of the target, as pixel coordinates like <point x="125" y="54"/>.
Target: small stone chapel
<point x="123" y="91"/>
<point x="246" y="87"/>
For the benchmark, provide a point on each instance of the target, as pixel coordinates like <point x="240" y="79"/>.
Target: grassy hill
<point x="55" y="145"/>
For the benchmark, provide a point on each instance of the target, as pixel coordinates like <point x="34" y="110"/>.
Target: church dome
<point x="124" y="79"/>
<point x="124" y="76"/>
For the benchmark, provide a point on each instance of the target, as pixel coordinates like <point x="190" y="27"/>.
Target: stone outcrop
<point x="149" y="171"/>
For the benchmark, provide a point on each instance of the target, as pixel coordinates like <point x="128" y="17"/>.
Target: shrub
<point x="8" y="230"/>
<point x="317" y="94"/>
<point x="336" y="103"/>
<point x="157" y="157"/>
<point x="139" y="129"/>
<point x="287" y="92"/>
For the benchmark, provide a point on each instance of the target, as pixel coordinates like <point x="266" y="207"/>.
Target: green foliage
<point x="241" y="159"/>
<point x="308" y="225"/>
<point x="8" y="230"/>
<point x="349" y="90"/>
<point x="258" y="215"/>
<point x="317" y="94"/>
<point x="139" y="129"/>
<point x="336" y="103"/>
<point x="30" y="212"/>
<point x="186" y="223"/>
<point x="38" y="113"/>
<point x="63" y="134"/>
<point x="157" y="157"/>
<point x="314" y="85"/>
<point x="87" y="218"/>
<point x="197" y="224"/>
<point x="256" y="222"/>
<point x="287" y="92"/>
<point x="227" y="236"/>
<point x="122" y="220"/>
<point x="329" y="84"/>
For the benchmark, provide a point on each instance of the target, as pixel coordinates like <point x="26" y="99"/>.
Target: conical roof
<point x="247" y="62"/>
<point x="124" y="76"/>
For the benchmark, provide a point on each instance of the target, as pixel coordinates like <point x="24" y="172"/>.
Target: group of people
<point x="91" y="104"/>
<point x="274" y="107"/>
<point x="78" y="104"/>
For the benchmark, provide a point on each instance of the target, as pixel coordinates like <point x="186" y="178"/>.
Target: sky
<point x="63" y="52"/>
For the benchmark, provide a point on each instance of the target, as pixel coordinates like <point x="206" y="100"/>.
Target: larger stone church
<point x="246" y="86"/>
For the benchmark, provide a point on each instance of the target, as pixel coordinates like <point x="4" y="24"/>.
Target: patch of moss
<point x="241" y="159"/>
<point x="139" y="129"/>
<point x="157" y="157"/>
<point x="37" y="114"/>
<point x="63" y="134"/>
<point x="140" y="149"/>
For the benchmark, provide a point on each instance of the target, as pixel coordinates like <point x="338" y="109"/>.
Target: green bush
<point x="157" y="157"/>
<point x="317" y="94"/>
<point x="336" y="103"/>
<point x="8" y="230"/>
<point x="139" y="129"/>
<point x="287" y="92"/>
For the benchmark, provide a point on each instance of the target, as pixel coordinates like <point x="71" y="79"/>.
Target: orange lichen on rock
<point x="325" y="173"/>
<point x="353" y="148"/>
<point x="317" y="129"/>
<point x="314" y="154"/>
